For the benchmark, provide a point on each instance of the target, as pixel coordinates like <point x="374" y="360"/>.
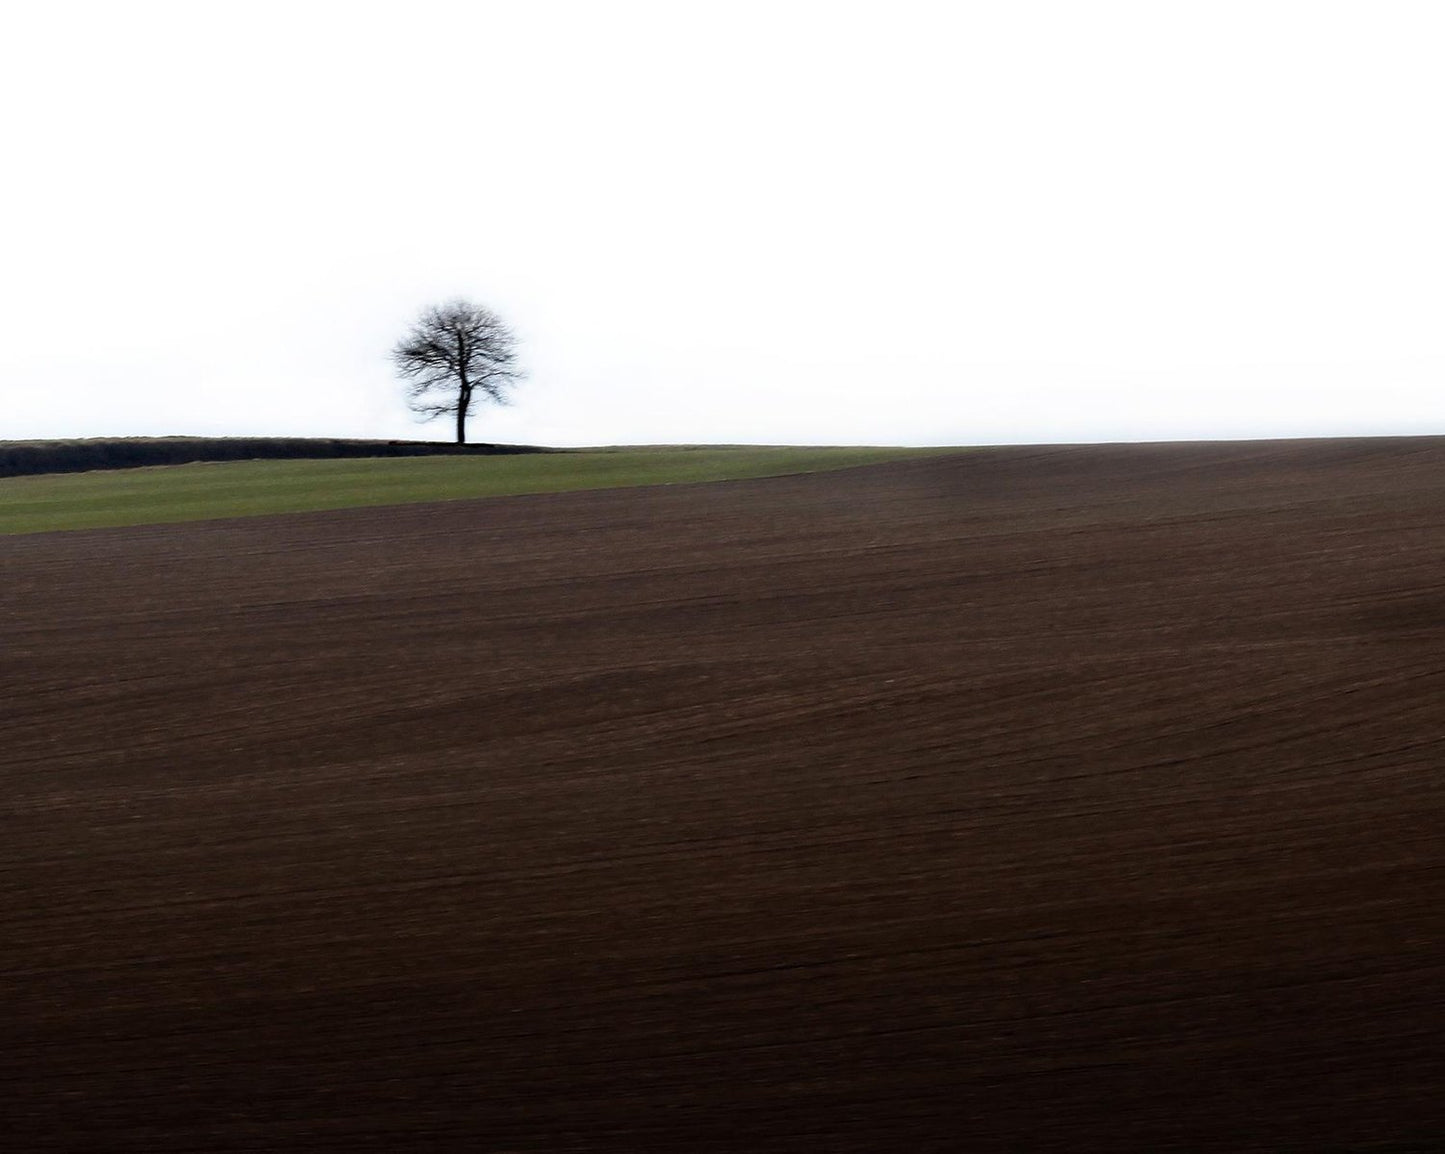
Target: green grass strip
<point x="204" y="491"/>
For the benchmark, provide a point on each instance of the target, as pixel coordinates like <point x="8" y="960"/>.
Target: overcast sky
<point x="900" y="223"/>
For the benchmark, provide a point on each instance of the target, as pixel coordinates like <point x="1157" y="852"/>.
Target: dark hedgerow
<point x="23" y="458"/>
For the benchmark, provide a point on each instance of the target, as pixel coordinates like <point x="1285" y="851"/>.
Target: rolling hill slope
<point x="1047" y="799"/>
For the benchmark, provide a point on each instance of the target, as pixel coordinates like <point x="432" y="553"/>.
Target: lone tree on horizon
<point x="453" y="352"/>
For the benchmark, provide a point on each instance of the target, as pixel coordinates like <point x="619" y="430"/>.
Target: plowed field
<point x="1029" y="799"/>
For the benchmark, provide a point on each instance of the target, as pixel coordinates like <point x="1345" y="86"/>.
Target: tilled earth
<point x="1028" y="799"/>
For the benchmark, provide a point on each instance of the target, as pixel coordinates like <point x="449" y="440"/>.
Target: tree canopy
<point x="456" y="353"/>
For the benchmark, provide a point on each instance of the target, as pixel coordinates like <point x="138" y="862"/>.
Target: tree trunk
<point x="464" y="402"/>
<point x="464" y="388"/>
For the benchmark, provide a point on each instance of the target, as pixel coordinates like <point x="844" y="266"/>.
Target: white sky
<point x="890" y="222"/>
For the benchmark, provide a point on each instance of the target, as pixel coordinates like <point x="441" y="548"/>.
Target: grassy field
<point x="203" y="491"/>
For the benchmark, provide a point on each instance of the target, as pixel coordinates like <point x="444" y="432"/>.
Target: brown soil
<point x="1034" y="800"/>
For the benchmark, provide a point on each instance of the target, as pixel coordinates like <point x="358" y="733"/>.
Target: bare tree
<point x="454" y="352"/>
